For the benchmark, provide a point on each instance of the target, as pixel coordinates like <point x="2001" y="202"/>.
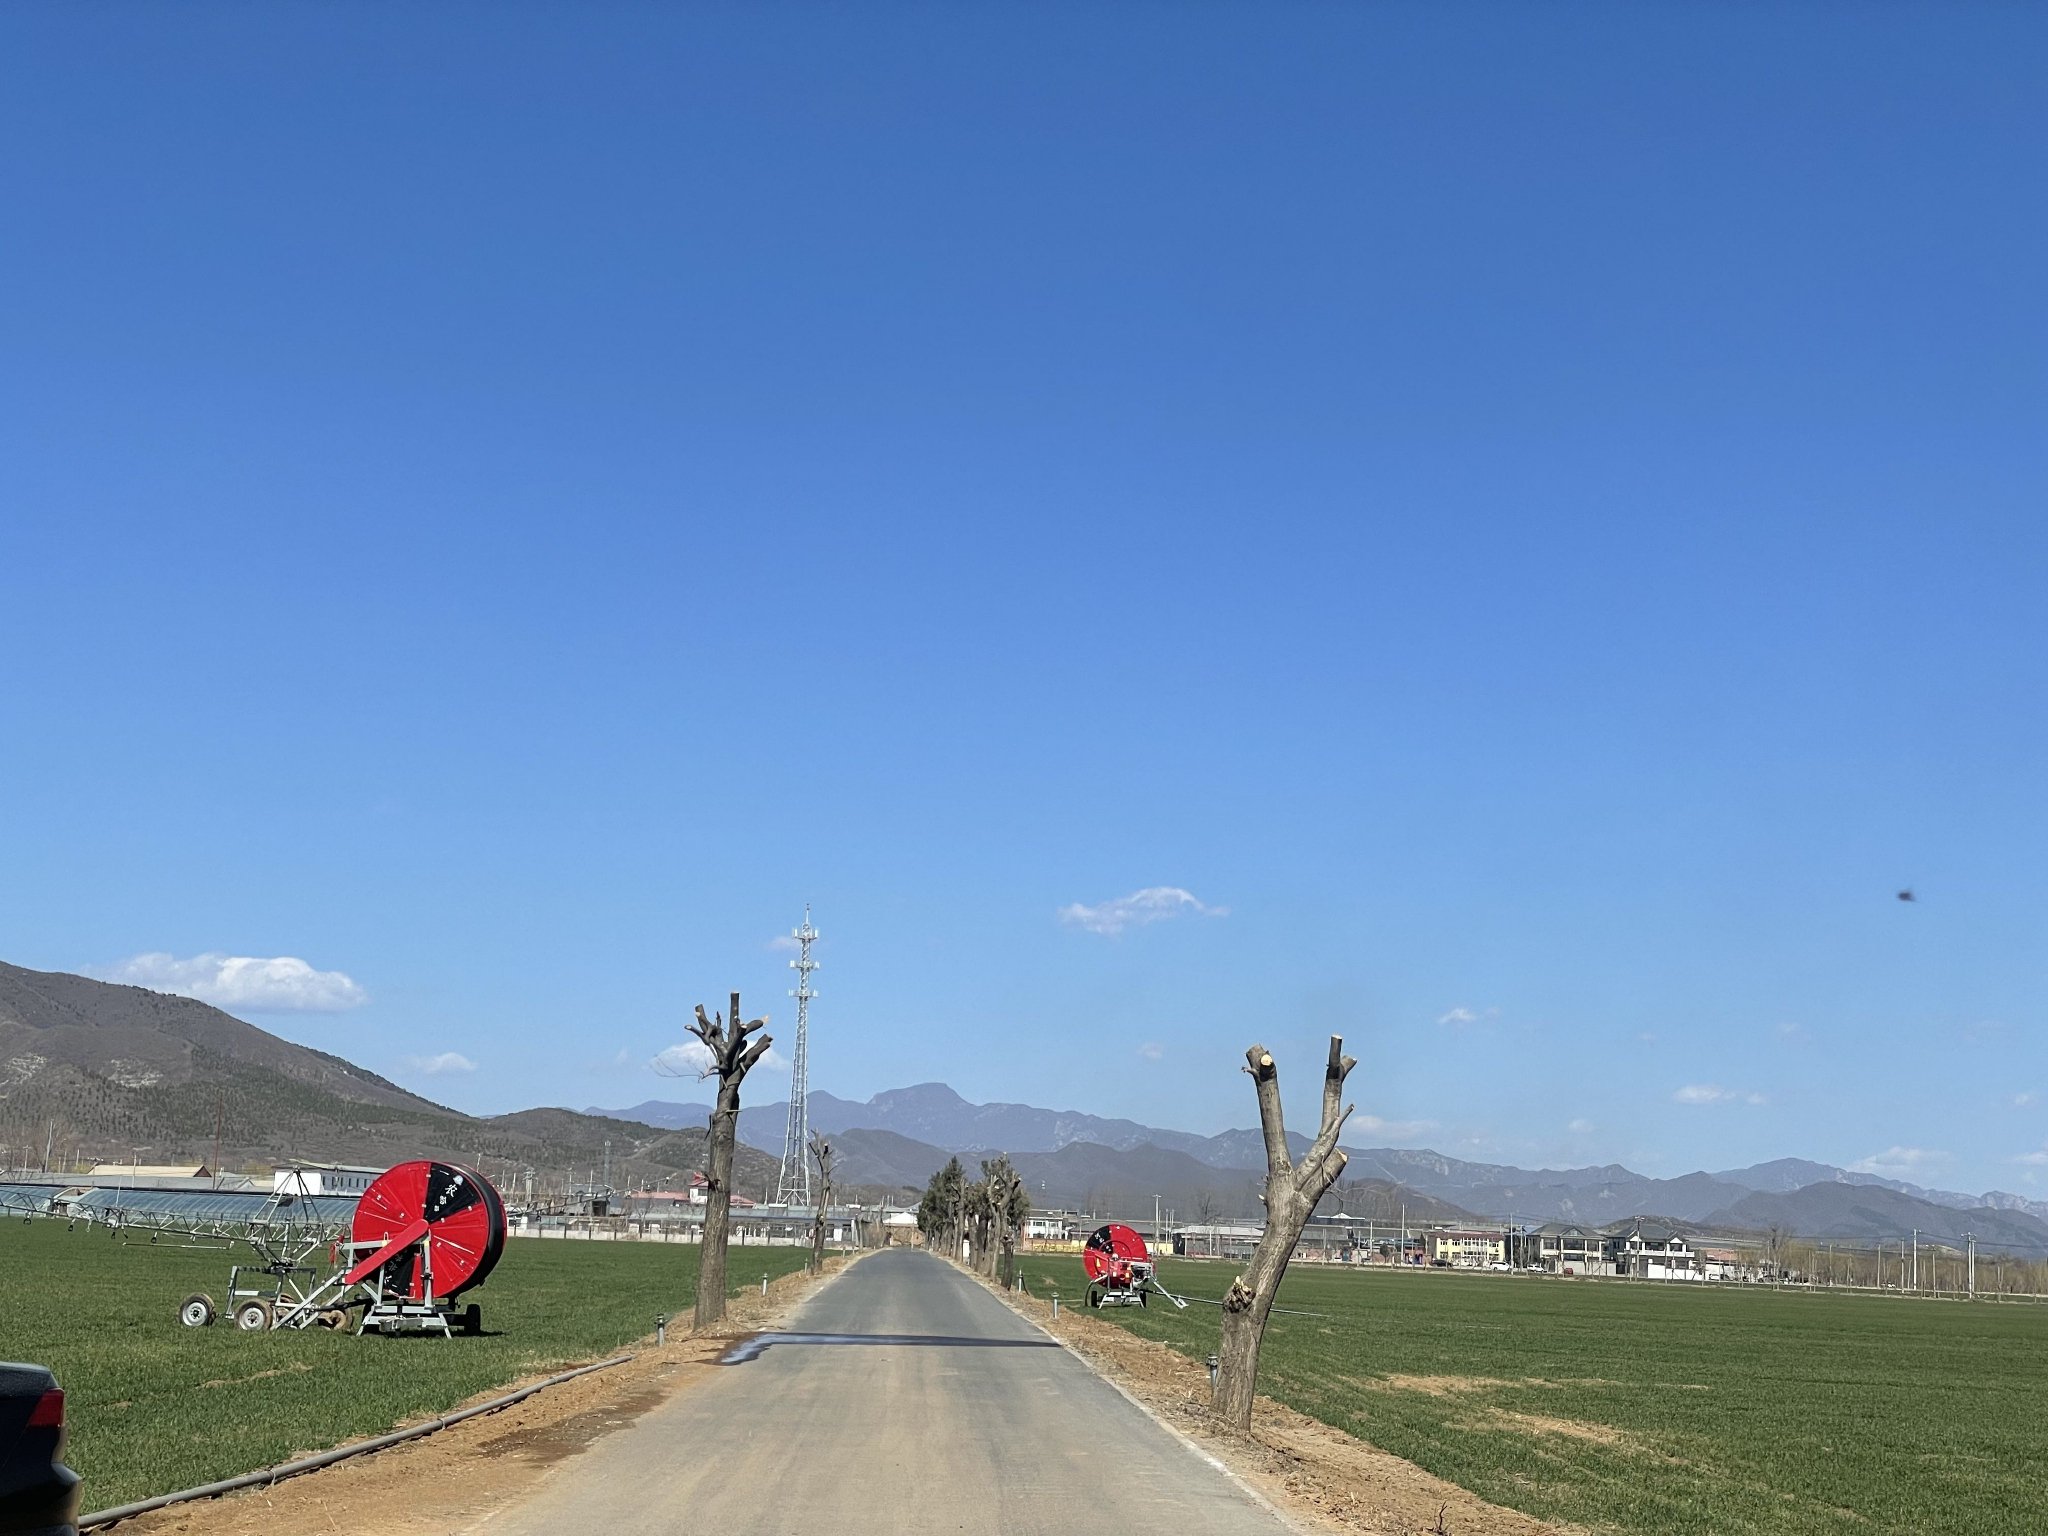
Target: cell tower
<point x="794" y="1187"/>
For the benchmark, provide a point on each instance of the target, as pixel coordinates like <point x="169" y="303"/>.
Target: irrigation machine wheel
<point x="472" y="1320"/>
<point x="253" y="1316"/>
<point x="1094" y="1296"/>
<point x="197" y="1310"/>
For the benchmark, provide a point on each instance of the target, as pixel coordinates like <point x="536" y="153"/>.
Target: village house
<point x="1649" y="1250"/>
<point x="1566" y="1249"/>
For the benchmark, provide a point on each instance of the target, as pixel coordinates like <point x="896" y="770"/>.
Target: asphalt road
<point x="967" y="1420"/>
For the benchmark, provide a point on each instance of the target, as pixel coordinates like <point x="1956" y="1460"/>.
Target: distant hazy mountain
<point x="1789" y="1173"/>
<point x="1076" y="1159"/>
<point x="670" y="1117"/>
<point x="1864" y="1212"/>
<point x="1122" y="1180"/>
<point x="884" y="1160"/>
<point x="934" y="1114"/>
<point x="1792" y="1173"/>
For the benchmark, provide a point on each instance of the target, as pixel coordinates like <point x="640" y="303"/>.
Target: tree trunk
<point x="725" y="1122"/>
<point x="1291" y="1196"/>
<point x="731" y="1057"/>
<point x="821" y="1156"/>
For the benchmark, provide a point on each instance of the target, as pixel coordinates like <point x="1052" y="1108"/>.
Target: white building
<point x="323" y="1179"/>
<point x="1649" y="1250"/>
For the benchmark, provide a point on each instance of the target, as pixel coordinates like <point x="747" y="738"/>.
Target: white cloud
<point x="784" y="944"/>
<point x="1154" y="904"/>
<point x="1792" y="1030"/>
<point x="1459" y="1018"/>
<point x="2033" y="1159"/>
<point x="441" y="1065"/>
<point x="692" y="1058"/>
<point x="1713" y="1093"/>
<point x="1580" y="1126"/>
<point x="2022" y="1100"/>
<point x="285" y="984"/>
<point x="1647" y="1036"/>
<point x="1894" y="1162"/>
<point x="1152" y="1050"/>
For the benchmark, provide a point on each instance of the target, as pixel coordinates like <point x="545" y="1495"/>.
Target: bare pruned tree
<point x="1291" y="1195"/>
<point x="1008" y="1207"/>
<point x="730" y="1059"/>
<point x="821" y="1159"/>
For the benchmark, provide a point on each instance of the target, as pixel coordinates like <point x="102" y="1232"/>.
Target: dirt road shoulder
<point x="454" y="1481"/>
<point x="1320" y="1477"/>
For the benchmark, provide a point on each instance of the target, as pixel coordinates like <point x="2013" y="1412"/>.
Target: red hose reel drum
<point x="453" y="1207"/>
<point x="1111" y="1251"/>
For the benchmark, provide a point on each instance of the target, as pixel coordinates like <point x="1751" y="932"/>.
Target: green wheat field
<point x="154" y="1406"/>
<point x="1658" y="1408"/>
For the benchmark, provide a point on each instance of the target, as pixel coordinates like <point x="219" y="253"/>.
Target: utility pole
<point x="1970" y="1238"/>
<point x="794" y="1185"/>
<point x="1916" y="1261"/>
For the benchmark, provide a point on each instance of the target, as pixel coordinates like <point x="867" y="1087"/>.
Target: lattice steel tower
<point x="795" y="1185"/>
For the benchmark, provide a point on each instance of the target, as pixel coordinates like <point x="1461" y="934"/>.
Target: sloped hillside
<point x="136" y="1038"/>
<point x="95" y="1070"/>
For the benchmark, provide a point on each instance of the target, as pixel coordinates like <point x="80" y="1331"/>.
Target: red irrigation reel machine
<point x="1121" y="1272"/>
<point x="423" y="1233"/>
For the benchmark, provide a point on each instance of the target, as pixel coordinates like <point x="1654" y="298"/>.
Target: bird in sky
<point x="1907" y="894"/>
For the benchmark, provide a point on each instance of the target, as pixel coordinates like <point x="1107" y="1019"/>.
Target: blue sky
<point x="1532" y="516"/>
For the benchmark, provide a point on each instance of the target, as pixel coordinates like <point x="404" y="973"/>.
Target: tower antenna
<point x="794" y="1187"/>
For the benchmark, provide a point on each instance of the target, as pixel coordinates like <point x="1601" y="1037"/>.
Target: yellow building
<point x="1466" y="1248"/>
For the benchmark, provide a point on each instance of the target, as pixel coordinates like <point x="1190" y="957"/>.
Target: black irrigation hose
<point x="339" y="1453"/>
<point x="1205" y="1301"/>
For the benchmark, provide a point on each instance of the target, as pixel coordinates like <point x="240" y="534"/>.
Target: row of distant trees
<point x="1941" y="1268"/>
<point x="985" y="1215"/>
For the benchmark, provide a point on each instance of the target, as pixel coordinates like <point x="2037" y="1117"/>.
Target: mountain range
<point x="94" y="1070"/>
<point x="898" y="1138"/>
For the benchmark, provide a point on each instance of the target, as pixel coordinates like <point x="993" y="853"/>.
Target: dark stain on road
<point x="753" y="1348"/>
